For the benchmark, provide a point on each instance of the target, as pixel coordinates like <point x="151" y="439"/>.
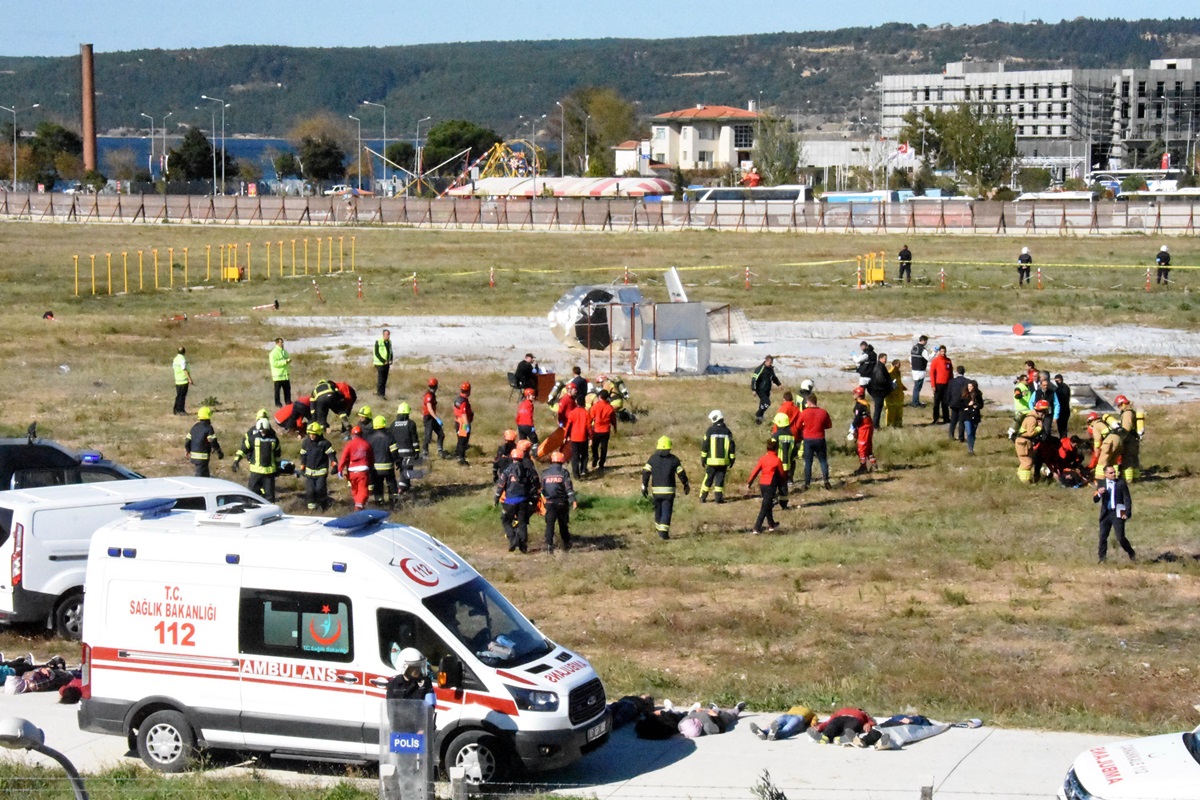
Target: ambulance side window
<point x="190" y="504"/>
<point x="406" y="630"/>
<point x="295" y="625"/>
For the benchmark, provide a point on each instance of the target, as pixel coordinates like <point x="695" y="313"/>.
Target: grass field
<point x="937" y="583"/>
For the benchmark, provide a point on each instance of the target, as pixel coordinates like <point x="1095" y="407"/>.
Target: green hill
<point x="826" y="73"/>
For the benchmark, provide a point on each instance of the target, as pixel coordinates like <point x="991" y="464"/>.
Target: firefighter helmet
<point x="204" y="412"/>
<point x="664" y="443"/>
<point x="510" y="435"/>
<point x="524" y="445"/>
<point x="601" y="379"/>
<point x="530" y="393"/>
<point x="433" y="384"/>
<point x="781" y="420"/>
<point x="262" y="424"/>
<point x="356" y="431"/>
<point x="262" y="414"/>
<point x="715" y="415"/>
<point x="403" y="410"/>
<point x="1041" y="405"/>
<point x="365" y="412"/>
<point x="859" y="391"/>
<point x="558" y="457"/>
<point x="517" y="454"/>
<point x="379" y="423"/>
<point x="1121" y="400"/>
<point x="316" y="428"/>
<point x="1092" y="416"/>
<point x="807" y="385"/>
<point x="465" y="388"/>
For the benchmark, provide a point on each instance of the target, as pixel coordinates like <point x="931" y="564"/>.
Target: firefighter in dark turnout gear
<point x="658" y="478"/>
<point x="383" y="450"/>
<point x="261" y="448"/>
<point x="559" y="494"/>
<point x="408" y="446"/>
<point x="760" y="384"/>
<point x="201" y="443"/>
<point x="504" y="454"/>
<point x="717" y="454"/>
<point x="517" y="488"/>
<point x="317" y="458"/>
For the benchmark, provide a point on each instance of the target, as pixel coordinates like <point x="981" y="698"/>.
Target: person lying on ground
<point x="710" y="721"/>
<point x="630" y="708"/>
<point x="796" y="720"/>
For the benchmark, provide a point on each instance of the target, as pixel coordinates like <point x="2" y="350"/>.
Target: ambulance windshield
<point x="479" y="617"/>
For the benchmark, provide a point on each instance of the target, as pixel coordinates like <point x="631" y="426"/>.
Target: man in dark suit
<point x="1116" y="506"/>
<point x="525" y="375"/>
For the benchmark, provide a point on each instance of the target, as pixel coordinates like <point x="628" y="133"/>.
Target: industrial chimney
<point x="88" y="96"/>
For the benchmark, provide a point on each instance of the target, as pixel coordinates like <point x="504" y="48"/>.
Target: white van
<point x="45" y="533"/>
<point x="259" y="631"/>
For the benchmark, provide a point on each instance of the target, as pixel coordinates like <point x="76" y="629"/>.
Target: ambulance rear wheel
<point x="68" y="617"/>
<point x="480" y="754"/>
<point x="165" y="742"/>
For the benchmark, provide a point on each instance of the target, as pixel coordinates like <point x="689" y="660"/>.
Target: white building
<point x="1070" y="118"/>
<point x="704" y="137"/>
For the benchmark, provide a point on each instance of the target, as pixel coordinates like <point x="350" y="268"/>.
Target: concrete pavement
<point x="960" y="764"/>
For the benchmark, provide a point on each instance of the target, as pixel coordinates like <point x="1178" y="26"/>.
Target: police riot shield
<point x="406" y="747"/>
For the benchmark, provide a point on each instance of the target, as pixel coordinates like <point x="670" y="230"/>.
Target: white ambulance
<point x="257" y="631"/>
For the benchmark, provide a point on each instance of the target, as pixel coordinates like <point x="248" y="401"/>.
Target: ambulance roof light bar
<point x="241" y="515"/>
<point x="358" y="522"/>
<point x="149" y="509"/>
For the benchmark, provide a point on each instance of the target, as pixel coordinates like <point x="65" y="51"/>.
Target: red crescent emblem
<point x="324" y="640"/>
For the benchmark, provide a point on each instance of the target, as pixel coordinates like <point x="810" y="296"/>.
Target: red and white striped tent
<point x="565" y="187"/>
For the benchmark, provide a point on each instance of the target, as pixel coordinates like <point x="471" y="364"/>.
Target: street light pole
<point x="163" y="164"/>
<point x="586" y="120"/>
<point x="224" y="105"/>
<point x="358" y="163"/>
<point x="14" y="111"/>
<point x="417" y="151"/>
<point x="385" y="164"/>
<point x="533" y="143"/>
<point x="562" y="144"/>
<point x="213" y="132"/>
<point x="150" y="158"/>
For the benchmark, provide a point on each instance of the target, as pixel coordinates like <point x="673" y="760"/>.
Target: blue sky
<point x="56" y="27"/>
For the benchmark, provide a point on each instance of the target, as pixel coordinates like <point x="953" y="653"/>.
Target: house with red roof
<point x="703" y="137"/>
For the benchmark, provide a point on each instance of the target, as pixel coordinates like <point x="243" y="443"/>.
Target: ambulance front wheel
<point x="165" y="742"/>
<point x="481" y="755"/>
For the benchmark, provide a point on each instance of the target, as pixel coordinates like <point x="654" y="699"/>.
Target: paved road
<point x="981" y="764"/>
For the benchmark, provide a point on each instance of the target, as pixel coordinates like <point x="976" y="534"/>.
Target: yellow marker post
<point x="185" y="266"/>
<point x="341" y="254"/>
<point x="76" y="257"/>
<point x="208" y="263"/>
<point x="93" y="273"/>
<point x="318" y="255"/>
<point x="247" y="261"/>
<point x="171" y="266"/>
<point x="109" y="272"/>
<point x="141" y="274"/>
<point x="269" y="258"/>
<point x="329" y="256"/>
<point x="155" y="252"/>
<point x="281" y="258"/>
<point x="293" y="258"/>
<point x="305" y="255"/>
<point x="353" y="243"/>
<point x="125" y="265"/>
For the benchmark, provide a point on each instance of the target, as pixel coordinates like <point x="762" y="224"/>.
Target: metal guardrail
<point x="1042" y="218"/>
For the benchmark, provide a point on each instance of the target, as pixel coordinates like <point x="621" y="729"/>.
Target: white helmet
<point x="408" y="658"/>
<point x="807" y="385"/>
<point x="1024" y="251"/>
<point x="1163" y="249"/>
<point x="262" y="424"/>
<point x="715" y="416"/>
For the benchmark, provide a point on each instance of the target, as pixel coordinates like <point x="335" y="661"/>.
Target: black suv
<point x="30" y="463"/>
